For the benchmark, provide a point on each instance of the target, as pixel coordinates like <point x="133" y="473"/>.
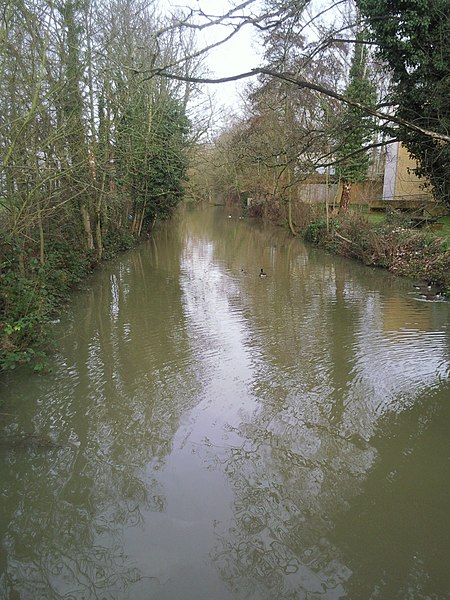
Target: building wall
<point x="390" y="171"/>
<point x="361" y="193"/>
<point x="399" y="180"/>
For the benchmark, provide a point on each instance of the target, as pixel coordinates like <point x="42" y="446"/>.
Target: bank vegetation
<point x="92" y="152"/>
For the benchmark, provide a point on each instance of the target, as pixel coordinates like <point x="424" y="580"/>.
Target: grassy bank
<point x="386" y="241"/>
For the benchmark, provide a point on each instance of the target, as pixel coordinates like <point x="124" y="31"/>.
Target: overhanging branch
<point x="302" y="83"/>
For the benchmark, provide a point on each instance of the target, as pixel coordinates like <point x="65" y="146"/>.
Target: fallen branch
<point x="343" y="238"/>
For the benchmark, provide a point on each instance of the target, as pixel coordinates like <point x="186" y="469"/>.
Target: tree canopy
<point x="411" y="64"/>
<point x="412" y="37"/>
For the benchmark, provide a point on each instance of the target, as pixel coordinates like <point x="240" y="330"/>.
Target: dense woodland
<point x="102" y="121"/>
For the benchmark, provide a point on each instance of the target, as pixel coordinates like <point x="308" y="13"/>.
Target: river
<point x="208" y="434"/>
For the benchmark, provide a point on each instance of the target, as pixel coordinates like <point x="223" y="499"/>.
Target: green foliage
<point x="395" y="219"/>
<point x="315" y="231"/>
<point x="354" y="126"/>
<point x="117" y="240"/>
<point x="31" y="292"/>
<point x="152" y="153"/>
<point x="413" y="38"/>
<point x="65" y="266"/>
<point x="23" y="320"/>
<point x="167" y="160"/>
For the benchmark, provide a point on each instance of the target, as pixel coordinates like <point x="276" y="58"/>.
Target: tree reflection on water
<point x="214" y="435"/>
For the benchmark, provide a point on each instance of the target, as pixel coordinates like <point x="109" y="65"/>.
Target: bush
<point x="25" y="309"/>
<point x="31" y="293"/>
<point x="316" y="232"/>
<point x="117" y="240"/>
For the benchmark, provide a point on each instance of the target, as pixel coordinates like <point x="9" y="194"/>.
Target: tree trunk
<point x="345" y="196"/>
<point x="41" y="236"/>
<point x="98" y="224"/>
<point x="289" y="193"/>
<point x="327" y="197"/>
<point x="141" y="220"/>
<point x="87" y="226"/>
<point x="151" y="225"/>
<point x="290" y="220"/>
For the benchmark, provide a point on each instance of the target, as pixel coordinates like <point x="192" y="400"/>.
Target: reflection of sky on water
<point x="393" y="367"/>
<point x="213" y="430"/>
<point x="271" y="546"/>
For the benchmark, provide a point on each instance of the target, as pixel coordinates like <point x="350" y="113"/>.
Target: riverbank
<point x="389" y="243"/>
<point x="32" y="293"/>
<point x="388" y="240"/>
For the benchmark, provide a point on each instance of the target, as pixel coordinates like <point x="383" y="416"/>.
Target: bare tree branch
<point x="302" y="83"/>
<point x="356" y="152"/>
<point x="332" y="94"/>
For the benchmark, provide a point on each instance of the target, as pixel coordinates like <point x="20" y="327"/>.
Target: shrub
<point x="390" y="244"/>
<point x="31" y="292"/>
<point x="117" y="240"/>
<point x="316" y="232"/>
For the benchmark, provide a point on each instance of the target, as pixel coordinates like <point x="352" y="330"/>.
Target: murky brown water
<point x="210" y="435"/>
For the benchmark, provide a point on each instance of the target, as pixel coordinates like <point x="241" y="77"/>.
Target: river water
<point x="207" y="434"/>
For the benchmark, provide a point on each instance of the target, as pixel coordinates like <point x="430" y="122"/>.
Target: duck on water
<point x="426" y="291"/>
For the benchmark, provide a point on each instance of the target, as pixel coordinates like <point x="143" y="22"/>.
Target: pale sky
<point x="236" y="56"/>
<point x="242" y="53"/>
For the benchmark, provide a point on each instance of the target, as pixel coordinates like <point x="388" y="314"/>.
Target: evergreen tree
<point x="152" y="156"/>
<point x="413" y="38"/>
<point x="167" y="160"/>
<point x="355" y="127"/>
